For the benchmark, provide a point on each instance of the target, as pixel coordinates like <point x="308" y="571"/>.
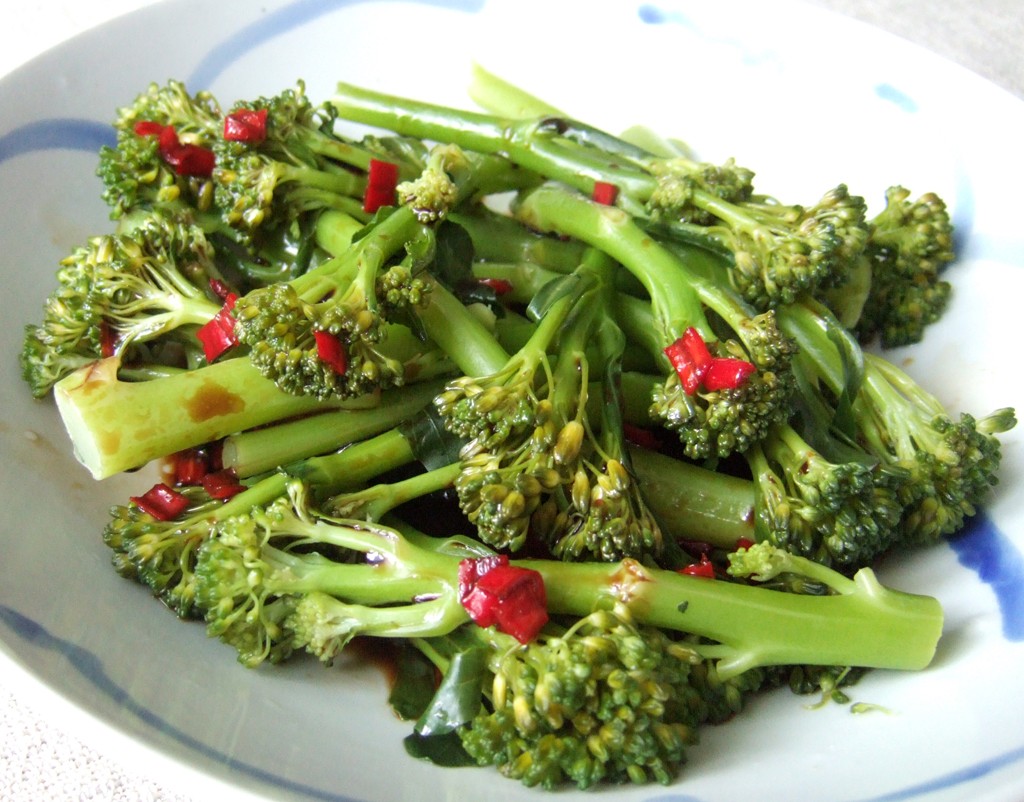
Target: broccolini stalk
<point x="712" y="422"/>
<point x="777" y="251"/>
<point x="943" y="466"/>
<point x="304" y="599"/>
<point x="256" y="451"/>
<point x="161" y="553"/>
<point x="117" y="425"/>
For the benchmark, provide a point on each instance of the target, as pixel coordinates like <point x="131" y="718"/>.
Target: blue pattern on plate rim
<point x="91" y="668"/>
<point x="981" y="547"/>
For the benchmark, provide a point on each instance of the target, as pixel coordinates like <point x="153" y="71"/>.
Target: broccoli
<point x="941" y="466"/>
<point x="297" y="168"/>
<point x="157" y="547"/>
<point x="286" y="577"/>
<point x="910" y="243"/>
<point x="712" y="422"/>
<point x="321" y="333"/>
<point x="638" y="386"/>
<point x="776" y="251"/>
<point x="604" y="699"/>
<point x="121" y="290"/>
<point x="139" y="170"/>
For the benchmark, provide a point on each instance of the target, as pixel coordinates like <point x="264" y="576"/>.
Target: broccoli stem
<point x="357" y="463"/>
<point x="459" y="333"/>
<point x="253" y="452"/>
<point x="525" y="142"/>
<point x="116" y="425"/>
<point x="676" y="303"/>
<point x="859" y="623"/>
<point x="498" y="96"/>
<point x="695" y="503"/>
<point x="864" y="624"/>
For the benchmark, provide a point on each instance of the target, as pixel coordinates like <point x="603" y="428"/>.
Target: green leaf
<point x="457" y="700"/>
<point x="415" y="684"/>
<point x="432" y="444"/>
<point x="442" y="750"/>
<point x="453" y="260"/>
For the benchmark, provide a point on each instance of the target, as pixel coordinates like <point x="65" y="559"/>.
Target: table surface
<point x="38" y="759"/>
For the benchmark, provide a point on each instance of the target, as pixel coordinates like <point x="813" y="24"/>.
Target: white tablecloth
<point x="39" y="760"/>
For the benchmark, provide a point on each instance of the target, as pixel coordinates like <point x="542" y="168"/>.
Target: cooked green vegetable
<point x="585" y="424"/>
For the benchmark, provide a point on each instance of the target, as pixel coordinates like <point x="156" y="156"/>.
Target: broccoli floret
<point x="844" y="514"/>
<point x="434" y="193"/>
<point x="711" y="422"/>
<point x="777" y="251"/>
<point x="606" y="700"/>
<point x="941" y="466"/>
<point x="136" y="171"/>
<point x="297" y="167"/>
<point x="346" y="300"/>
<point x="672" y="651"/>
<point x="120" y="290"/>
<point x="911" y="242"/>
<point x="953" y="461"/>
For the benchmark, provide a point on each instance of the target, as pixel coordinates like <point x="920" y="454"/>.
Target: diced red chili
<point x="505" y="596"/>
<point x="108" y="339"/>
<point x="190" y="466"/>
<point x="148" y="128"/>
<point x="605" y="193"/>
<point x="218" y="334"/>
<point x="696" y="367"/>
<point x="499" y="285"/>
<point x="382" y="180"/>
<point x="727" y="373"/>
<point x="331" y="351"/>
<point x="220" y="288"/>
<point x="704" y="568"/>
<point x="246" y="125"/>
<point x="743" y="543"/>
<point x="222" y="484"/>
<point x="162" y="502"/>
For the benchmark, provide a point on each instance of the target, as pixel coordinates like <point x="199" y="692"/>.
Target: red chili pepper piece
<point x="743" y="543"/>
<point x="639" y="436"/>
<point x="191" y="160"/>
<point x="605" y="193"/>
<point x="727" y="373"/>
<point x="705" y="568"/>
<point x="691" y="359"/>
<point x="381" y="181"/>
<point x="331" y="350"/>
<point x="222" y="484"/>
<point x="246" y="125"/>
<point x="186" y="159"/>
<point x="190" y="466"/>
<point x="108" y="340"/>
<point x="220" y="289"/>
<point x="509" y="597"/>
<point x="499" y="285"/>
<point x="162" y="502"/>
<point x="148" y="128"/>
<point x="218" y="335"/>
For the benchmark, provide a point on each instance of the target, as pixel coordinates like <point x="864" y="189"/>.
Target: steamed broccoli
<point x="712" y="421"/>
<point x="285" y="577"/>
<point x="121" y="290"/>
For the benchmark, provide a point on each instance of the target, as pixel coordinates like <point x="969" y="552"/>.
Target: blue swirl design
<point x="980" y="548"/>
<point x="281" y="21"/>
<point x="55" y="134"/>
<point x="91" y="668"/>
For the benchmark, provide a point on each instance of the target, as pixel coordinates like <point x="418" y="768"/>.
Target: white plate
<point x="734" y="78"/>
